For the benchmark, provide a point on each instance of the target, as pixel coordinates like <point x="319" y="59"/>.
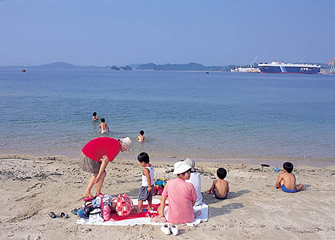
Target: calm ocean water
<point x="184" y="114"/>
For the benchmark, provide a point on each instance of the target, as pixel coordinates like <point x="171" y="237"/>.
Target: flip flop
<point x="52" y="214"/>
<point x="63" y="215"/>
<point x="88" y="199"/>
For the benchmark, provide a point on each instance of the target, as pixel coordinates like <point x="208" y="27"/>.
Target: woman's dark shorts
<point x="89" y="165"/>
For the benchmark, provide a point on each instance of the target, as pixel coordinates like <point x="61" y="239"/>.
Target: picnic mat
<point x="144" y="217"/>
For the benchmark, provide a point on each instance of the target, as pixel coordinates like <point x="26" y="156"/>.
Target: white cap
<point x="127" y="142"/>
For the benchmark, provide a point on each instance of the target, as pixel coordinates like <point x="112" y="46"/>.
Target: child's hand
<point x="149" y="188"/>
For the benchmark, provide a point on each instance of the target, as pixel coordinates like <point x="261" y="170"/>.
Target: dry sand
<point x="31" y="187"/>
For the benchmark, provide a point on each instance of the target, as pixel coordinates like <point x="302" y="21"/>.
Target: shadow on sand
<point x="225" y="209"/>
<point x="209" y="199"/>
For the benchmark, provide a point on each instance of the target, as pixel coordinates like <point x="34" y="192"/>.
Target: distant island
<point x="125" y="68"/>
<point x="179" y="67"/>
<point x="140" y="67"/>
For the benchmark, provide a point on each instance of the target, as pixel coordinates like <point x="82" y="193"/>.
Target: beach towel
<point x="144" y="217"/>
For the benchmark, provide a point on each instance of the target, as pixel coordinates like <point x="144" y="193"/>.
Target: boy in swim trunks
<point x="286" y="180"/>
<point x="103" y="126"/>
<point x="141" y="138"/>
<point x="220" y="187"/>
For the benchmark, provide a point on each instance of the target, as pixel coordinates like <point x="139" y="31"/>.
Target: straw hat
<point x="181" y="167"/>
<point x="127" y="142"/>
<point x="190" y="162"/>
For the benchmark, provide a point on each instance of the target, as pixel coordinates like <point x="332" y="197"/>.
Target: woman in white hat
<point x="96" y="155"/>
<point x="181" y="195"/>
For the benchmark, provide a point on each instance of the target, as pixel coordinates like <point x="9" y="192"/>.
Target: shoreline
<point x="253" y="160"/>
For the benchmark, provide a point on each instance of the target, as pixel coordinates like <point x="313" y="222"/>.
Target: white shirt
<point x="144" y="178"/>
<point x="196" y="181"/>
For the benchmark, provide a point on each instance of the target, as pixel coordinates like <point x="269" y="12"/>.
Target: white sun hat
<point x="127" y="142"/>
<point x="181" y="167"/>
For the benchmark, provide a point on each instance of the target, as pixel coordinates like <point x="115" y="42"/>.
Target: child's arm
<point x="137" y="138"/>
<point x="211" y="188"/>
<point x="227" y="187"/>
<point x="280" y="178"/>
<point x="146" y="172"/>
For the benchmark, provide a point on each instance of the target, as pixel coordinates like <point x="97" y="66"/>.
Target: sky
<point x="209" y="32"/>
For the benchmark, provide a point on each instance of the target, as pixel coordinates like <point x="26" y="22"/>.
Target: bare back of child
<point x="287" y="181"/>
<point x="220" y="187"/>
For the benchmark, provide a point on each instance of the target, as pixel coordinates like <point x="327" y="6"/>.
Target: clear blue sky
<point x="210" y="32"/>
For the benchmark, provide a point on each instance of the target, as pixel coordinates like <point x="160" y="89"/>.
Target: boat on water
<point x="279" y="67"/>
<point x="250" y="69"/>
<point x="247" y="70"/>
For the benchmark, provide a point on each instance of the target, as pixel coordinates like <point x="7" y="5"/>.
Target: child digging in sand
<point x="146" y="189"/>
<point x="286" y="180"/>
<point x="220" y="187"/>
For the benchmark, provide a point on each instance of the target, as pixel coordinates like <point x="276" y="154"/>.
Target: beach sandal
<point x="88" y="199"/>
<point x="63" y="215"/>
<point x="166" y="229"/>
<point x="52" y="214"/>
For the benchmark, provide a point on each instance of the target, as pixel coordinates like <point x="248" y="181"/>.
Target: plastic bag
<point x="124" y="205"/>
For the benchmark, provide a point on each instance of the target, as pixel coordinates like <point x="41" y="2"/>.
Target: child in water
<point x="103" y="126"/>
<point x="141" y="138"/>
<point x="95" y="116"/>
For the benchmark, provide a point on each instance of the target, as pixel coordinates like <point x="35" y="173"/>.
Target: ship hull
<point x="289" y="68"/>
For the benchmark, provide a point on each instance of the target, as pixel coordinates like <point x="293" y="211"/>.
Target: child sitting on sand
<point x="286" y="180"/>
<point x="103" y="126"/>
<point x="147" y="187"/>
<point x="141" y="138"/>
<point x="220" y="187"/>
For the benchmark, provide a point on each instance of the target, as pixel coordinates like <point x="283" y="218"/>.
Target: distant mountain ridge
<point x="179" y="67"/>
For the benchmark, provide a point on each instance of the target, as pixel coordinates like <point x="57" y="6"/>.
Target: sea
<point x="215" y="116"/>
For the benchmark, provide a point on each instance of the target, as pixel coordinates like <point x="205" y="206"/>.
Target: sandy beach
<point x="31" y="187"/>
